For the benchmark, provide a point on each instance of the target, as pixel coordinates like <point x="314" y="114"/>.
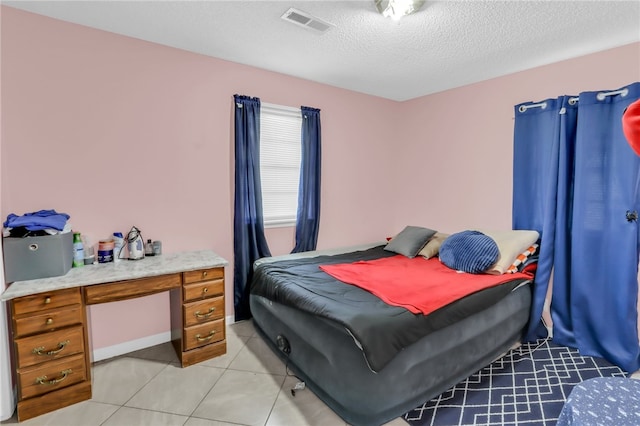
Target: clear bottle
<point x="148" y="248"/>
<point x="78" y="250"/>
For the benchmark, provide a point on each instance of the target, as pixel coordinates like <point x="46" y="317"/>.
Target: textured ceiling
<point x="446" y="44"/>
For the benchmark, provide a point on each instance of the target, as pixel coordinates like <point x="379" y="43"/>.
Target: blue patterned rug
<point x="528" y="386"/>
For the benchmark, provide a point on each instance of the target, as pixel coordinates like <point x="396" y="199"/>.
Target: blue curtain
<point x="562" y="241"/>
<point x="576" y="182"/>
<point x="535" y="188"/>
<point x="604" y="284"/>
<point x="308" y="214"/>
<point x="249" y="243"/>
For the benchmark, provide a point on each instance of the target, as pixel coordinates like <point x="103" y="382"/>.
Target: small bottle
<point x="157" y="248"/>
<point x="148" y="248"/>
<point x="78" y="250"/>
<point x="118" y="241"/>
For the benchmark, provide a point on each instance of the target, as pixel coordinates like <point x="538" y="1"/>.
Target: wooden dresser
<point x="52" y="354"/>
<point x="202" y="306"/>
<point x="50" y="351"/>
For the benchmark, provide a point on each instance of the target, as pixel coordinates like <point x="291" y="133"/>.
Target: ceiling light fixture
<point x="396" y="9"/>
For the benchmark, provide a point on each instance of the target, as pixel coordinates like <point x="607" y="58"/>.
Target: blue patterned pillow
<point x="469" y="251"/>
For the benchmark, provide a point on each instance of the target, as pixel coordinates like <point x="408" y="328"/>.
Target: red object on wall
<point x="631" y="125"/>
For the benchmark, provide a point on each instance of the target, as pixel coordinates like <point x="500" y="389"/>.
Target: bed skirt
<point x="325" y="356"/>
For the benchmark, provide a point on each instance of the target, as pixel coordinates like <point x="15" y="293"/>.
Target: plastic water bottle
<point x="78" y="250"/>
<point x="118" y="240"/>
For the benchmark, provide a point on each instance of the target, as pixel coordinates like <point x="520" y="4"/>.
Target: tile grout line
<point x="284" y="380"/>
<point x="142" y="387"/>
<point x="244" y="344"/>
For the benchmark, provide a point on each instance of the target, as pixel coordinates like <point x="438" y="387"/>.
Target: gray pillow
<point x="410" y="241"/>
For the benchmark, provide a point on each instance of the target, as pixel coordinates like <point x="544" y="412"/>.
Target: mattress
<point x="324" y="348"/>
<point x="379" y="330"/>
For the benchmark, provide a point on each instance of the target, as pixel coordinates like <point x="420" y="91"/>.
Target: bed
<point x="367" y="360"/>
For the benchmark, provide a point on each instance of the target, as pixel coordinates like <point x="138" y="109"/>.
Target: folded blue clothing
<point x="36" y="221"/>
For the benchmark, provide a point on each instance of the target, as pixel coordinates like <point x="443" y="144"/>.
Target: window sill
<point x="280" y="224"/>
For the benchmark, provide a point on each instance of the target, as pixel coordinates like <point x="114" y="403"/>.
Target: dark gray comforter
<point x="379" y="329"/>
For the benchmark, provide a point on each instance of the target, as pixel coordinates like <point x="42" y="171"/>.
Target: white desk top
<point x="117" y="271"/>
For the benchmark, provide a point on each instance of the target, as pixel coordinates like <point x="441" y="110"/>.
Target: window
<point x="280" y="151"/>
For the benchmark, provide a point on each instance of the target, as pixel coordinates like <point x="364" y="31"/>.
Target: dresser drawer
<point x="204" y="310"/>
<point x="51" y="345"/>
<point x="49" y="320"/>
<point x="204" y="289"/>
<point x="200" y="335"/>
<point x="203" y="275"/>
<point x="42" y="301"/>
<point x="52" y="375"/>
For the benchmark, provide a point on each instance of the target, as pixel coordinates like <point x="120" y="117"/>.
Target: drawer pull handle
<point x="49" y="321"/>
<point x="42" y="380"/>
<point x="204" y="339"/>
<point x="40" y="350"/>
<point x="203" y="316"/>
<point x="47" y="300"/>
<point x="204" y="274"/>
<point x="205" y="290"/>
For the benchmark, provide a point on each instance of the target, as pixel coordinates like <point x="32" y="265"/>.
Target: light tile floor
<point x="249" y="385"/>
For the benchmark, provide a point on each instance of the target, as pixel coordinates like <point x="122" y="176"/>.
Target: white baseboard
<point x="135" y="345"/>
<point x="130" y="346"/>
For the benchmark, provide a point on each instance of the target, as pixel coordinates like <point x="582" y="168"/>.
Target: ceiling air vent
<point x="306" y="20"/>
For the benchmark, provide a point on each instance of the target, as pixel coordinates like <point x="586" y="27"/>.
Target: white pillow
<point x="511" y="244"/>
<point x="433" y="246"/>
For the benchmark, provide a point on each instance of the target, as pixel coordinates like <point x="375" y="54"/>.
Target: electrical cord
<point x="300" y="385"/>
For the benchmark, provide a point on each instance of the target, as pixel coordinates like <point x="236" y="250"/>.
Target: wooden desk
<point x="50" y="334"/>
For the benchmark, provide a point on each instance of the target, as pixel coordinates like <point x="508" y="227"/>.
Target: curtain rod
<point x="543" y="105"/>
<point x="600" y="96"/>
<point x="572" y="101"/>
<point x="523" y="108"/>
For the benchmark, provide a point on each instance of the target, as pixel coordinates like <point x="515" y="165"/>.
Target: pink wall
<point x="456" y="166"/>
<point x="7" y="402"/>
<point x="120" y="132"/>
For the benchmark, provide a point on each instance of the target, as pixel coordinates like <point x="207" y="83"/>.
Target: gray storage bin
<point x="37" y="257"/>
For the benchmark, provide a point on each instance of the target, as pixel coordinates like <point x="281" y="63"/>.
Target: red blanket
<point x="419" y="285"/>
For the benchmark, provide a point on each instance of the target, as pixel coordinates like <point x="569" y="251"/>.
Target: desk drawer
<point x="203" y="275"/>
<point x="52" y="375"/>
<point x="49" y="320"/>
<point x="200" y="335"/>
<point x="45" y="301"/>
<point x="47" y="346"/>
<point x="204" y="289"/>
<point x="203" y="311"/>
<point x="129" y="289"/>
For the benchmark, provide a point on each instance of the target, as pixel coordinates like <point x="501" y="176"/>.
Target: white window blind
<point x="280" y="146"/>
